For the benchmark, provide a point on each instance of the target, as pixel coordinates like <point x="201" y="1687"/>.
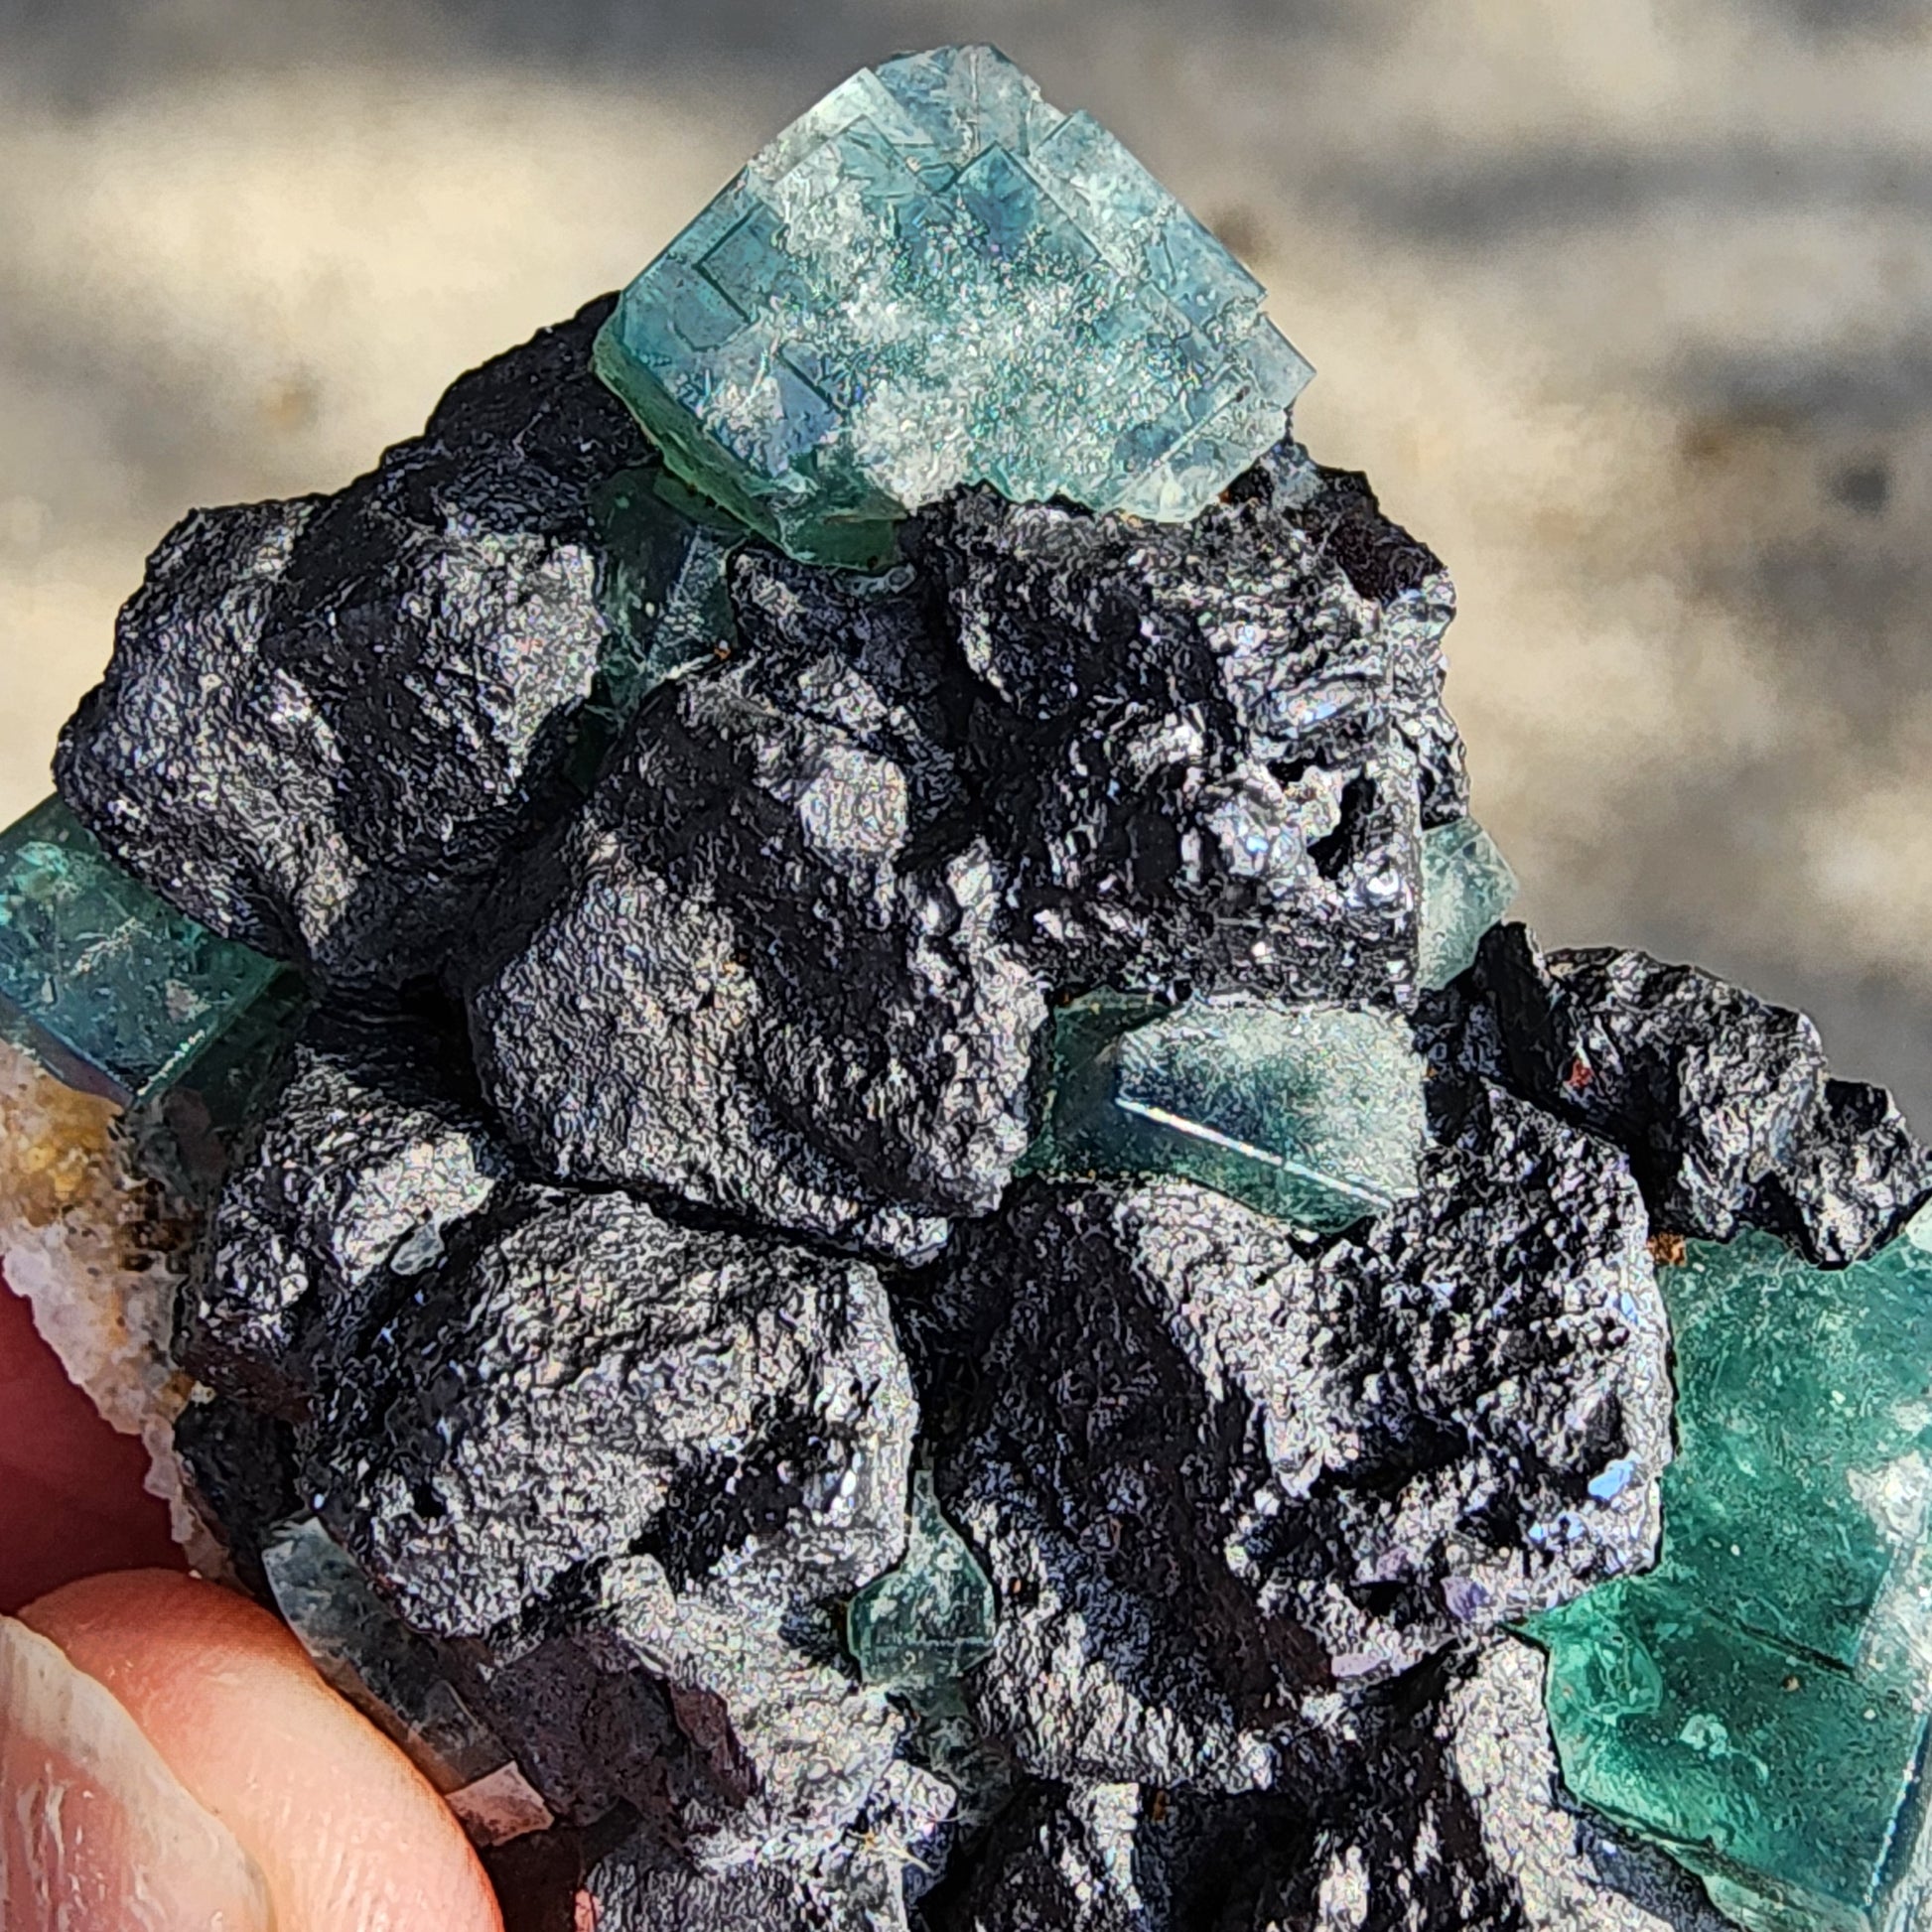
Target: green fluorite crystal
<point x="931" y="1620"/>
<point x="1757" y="1703"/>
<point x="107" y="984"/>
<point x="1311" y="1113"/>
<point x="665" y="589"/>
<point x="933" y="278"/>
<point x="1466" y="887"/>
<point x="390" y="1673"/>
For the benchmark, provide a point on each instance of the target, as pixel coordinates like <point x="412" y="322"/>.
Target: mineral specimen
<point x="1757" y="1700"/>
<point x="326" y="720"/>
<point x="360" y="1171"/>
<point x="398" y="1679"/>
<point x="931" y="1620"/>
<point x="1723" y="1102"/>
<point x="1217" y="1481"/>
<point x="934" y="278"/>
<point x="913" y="1258"/>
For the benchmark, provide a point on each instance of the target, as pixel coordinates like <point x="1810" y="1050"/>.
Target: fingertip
<point x="95" y="1827"/>
<point x="350" y="1836"/>
<point x="75" y="1489"/>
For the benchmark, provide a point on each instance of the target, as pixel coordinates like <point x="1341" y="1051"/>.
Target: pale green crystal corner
<point x="925" y="1623"/>
<point x="933" y="278"/>
<point x="1466" y="887"/>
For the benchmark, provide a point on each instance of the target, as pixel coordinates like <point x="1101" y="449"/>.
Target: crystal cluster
<point x="870" y="1224"/>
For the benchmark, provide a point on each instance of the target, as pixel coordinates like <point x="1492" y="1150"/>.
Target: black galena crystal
<point x="660" y="1198"/>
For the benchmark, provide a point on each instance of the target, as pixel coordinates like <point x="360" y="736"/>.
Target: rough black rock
<point x="619" y="1466"/>
<point x="790" y="958"/>
<point x="735" y="975"/>
<point x="238" y="1472"/>
<point x="326" y="720"/>
<point x="1446" y="1816"/>
<point x="1201" y="755"/>
<point x="717" y="1713"/>
<point x="1127" y="1857"/>
<point x="1723" y="1102"/>
<point x="1219" y="1481"/>
<point x="1492" y="1807"/>
<point x="373" y="1156"/>
<point x="588" y="1378"/>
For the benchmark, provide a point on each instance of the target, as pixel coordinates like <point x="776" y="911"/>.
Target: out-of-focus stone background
<point x="1625" y="306"/>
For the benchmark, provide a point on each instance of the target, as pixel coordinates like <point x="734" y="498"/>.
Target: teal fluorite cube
<point x="925" y="1624"/>
<point x="1466" y="887"/>
<point x="1311" y="1113"/>
<point x="932" y="278"/>
<point x="107" y="984"/>
<point x="394" y="1677"/>
<point x="1757" y="1703"/>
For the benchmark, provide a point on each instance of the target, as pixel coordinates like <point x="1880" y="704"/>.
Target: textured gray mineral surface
<point x="589" y="1376"/>
<point x="1445" y="1813"/>
<point x="790" y="958"/>
<point x="326" y="719"/>
<point x="1219" y="1481"/>
<point x="749" y="972"/>
<point x="1723" y="1102"/>
<point x="372" y="1156"/>
<point x="1204" y="753"/>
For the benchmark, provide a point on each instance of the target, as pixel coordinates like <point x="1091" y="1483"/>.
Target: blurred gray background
<point x="1625" y="305"/>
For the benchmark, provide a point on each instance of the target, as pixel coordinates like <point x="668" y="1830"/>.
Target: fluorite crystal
<point x="1466" y="887"/>
<point x="662" y="584"/>
<point x="396" y="1679"/>
<point x="1311" y="1113"/>
<point x="1757" y="1703"/>
<point x="931" y="1620"/>
<point x="934" y="278"/>
<point x="113" y="987"/>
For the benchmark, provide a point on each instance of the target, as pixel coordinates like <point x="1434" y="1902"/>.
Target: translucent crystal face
<point x="932" y="278"/>
<point x="931" y="1620"/>
<point x="1311" y="1113"/>
<point x="1466" y="887"/>
<point x="384" y="1669"/>
<point x="1757" y="1702"/>
<point x="109" y="985"/>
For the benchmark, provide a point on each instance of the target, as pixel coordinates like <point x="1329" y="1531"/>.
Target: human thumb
<point x="169" y="1759"/>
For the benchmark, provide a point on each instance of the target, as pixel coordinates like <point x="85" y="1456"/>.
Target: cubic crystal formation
<point x="913" y="1255"/>
<point x="934" y="278"/>
<point x="1313" y="1114"/>
<point x="1757" y="1702"/>
<point x="108" y="981"/>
